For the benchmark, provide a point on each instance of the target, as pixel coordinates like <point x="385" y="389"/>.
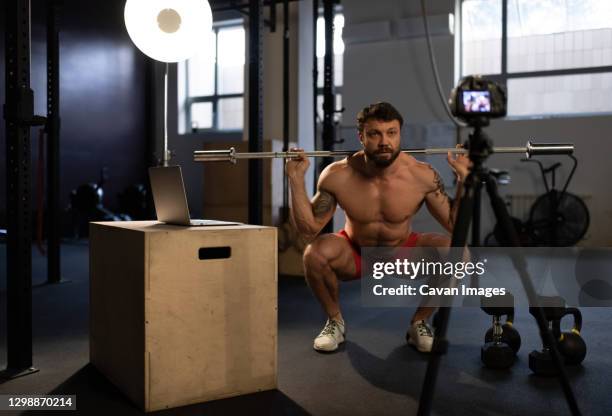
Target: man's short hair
<point x="379" y="111"/>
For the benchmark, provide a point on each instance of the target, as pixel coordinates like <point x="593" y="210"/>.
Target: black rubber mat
<point x="373" y="373"/>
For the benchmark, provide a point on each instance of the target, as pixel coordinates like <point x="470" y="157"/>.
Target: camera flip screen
<point x="476" y="101"/>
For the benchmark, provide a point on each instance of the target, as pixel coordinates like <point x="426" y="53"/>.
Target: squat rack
<point x="19" y="118"/>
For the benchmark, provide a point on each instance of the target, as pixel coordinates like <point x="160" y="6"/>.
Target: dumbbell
<point x="509" y="334"/>
<point x="571" y="345"/>
<point x="501" y="341"/>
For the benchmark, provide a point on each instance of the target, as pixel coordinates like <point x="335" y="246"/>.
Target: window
<point x="211" y="84"/>
<point x="556" y="58"/>
<point x="338" y="48"/>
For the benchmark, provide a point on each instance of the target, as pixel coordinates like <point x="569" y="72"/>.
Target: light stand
<point x="168" y="31"/>
<point x="166" y="155"/>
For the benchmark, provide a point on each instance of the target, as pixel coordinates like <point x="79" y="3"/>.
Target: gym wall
<point x="103" y="87"/>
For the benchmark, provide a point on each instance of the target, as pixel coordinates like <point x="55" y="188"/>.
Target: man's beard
<point x="382" y="163"/>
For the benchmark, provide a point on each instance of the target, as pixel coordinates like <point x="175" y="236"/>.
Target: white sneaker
<point x="421" y="336"/>
<point x="330" y="337"/>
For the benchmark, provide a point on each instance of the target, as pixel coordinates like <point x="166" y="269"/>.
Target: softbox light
<point x="168" y="30"/>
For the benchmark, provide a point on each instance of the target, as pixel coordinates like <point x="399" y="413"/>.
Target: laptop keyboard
<point x="199" y="223"/>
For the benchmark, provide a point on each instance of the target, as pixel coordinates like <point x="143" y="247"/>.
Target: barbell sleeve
<point x="535" y="149"/>
<point x="230" y="155"/>
<point x="215" y="155"/>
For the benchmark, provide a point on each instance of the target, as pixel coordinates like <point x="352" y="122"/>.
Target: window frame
<point x="504" y="75"/>
<point x="215" y="97"/>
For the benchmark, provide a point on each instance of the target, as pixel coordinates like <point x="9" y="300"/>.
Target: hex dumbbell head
<point x="541" y="363"/>
<point x="497" y="355"/>
<point x="498" y="305"/>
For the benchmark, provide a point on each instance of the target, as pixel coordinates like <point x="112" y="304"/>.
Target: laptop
<point x="171" y="200"/>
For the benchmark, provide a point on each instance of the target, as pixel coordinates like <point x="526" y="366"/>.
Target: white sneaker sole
<point x="328" y="349"/>
<point x="419" y="348"/>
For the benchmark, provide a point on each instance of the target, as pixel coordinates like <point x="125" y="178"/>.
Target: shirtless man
<point x="380" y="190"/>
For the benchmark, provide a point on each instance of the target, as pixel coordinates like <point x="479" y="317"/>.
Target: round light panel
<point x="168" y="30"/>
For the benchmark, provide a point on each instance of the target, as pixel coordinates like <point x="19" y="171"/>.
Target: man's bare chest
<point x="381" y="200"/>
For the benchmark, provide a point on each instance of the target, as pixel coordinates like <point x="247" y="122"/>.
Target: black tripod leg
<point x="474" y="283"/>
<point x="440" y="343"/>
<point x="476" y="216"/>
<point x="518" y="260"/>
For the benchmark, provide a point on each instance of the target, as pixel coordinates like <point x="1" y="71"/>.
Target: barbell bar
<point x="230" y="155"/>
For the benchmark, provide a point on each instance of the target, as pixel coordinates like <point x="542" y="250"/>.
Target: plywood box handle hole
<point x="210" y="253"/>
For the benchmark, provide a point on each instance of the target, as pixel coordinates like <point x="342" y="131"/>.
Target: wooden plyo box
<point x="182" y="315"/>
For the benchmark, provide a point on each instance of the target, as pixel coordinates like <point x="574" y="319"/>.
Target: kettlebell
<point x="571" y="345"/>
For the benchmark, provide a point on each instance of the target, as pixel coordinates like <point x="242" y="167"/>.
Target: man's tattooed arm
<point x="440" y="204"/>
<point x="310" y="215"/>
<point x="450" y="202"/>
<point x="322" y="204"/>
<point x="310" y="219"/>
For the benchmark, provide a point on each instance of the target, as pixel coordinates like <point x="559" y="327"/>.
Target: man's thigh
<point x="433" y="240"/>
<point x="440" y="241"/>
<point x="336" y="251"/>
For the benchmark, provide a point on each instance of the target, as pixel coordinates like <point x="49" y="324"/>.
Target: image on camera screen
<point x="476" y="101"/>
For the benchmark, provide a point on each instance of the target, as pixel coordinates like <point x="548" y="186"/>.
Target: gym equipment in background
<point x="133" y="202"/>
<point x="502" y="342"/>
<point x="570" y="344"/>
<point x="496" y="237"/>
<point x="557" y="218"/>
<point x="86" y="205"/>
<point x="509" y="334"/>
<point x="492" y="239"/>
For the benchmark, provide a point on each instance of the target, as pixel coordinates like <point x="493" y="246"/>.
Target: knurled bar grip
<point x="230" y="155"/>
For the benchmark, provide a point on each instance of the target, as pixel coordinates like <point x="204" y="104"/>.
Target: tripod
<point x="480" y="147"/>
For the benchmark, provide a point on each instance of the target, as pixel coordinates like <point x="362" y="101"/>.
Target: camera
<point x="476" y="100"/>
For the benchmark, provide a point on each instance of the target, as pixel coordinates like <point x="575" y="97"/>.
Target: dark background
<point x="104" y="85"/>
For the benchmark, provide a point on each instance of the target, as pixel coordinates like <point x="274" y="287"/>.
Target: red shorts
<point x="410" y="242"/>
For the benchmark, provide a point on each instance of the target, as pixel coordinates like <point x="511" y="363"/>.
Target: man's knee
<point x="315" y="255"/>
<point x="313" y="260"/>
<point x="445" y="241"/>
<point x="434" y="240"/>
<point x="320" y="253"/>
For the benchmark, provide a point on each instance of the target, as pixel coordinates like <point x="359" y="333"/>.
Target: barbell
<point x="230" y="155"/>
